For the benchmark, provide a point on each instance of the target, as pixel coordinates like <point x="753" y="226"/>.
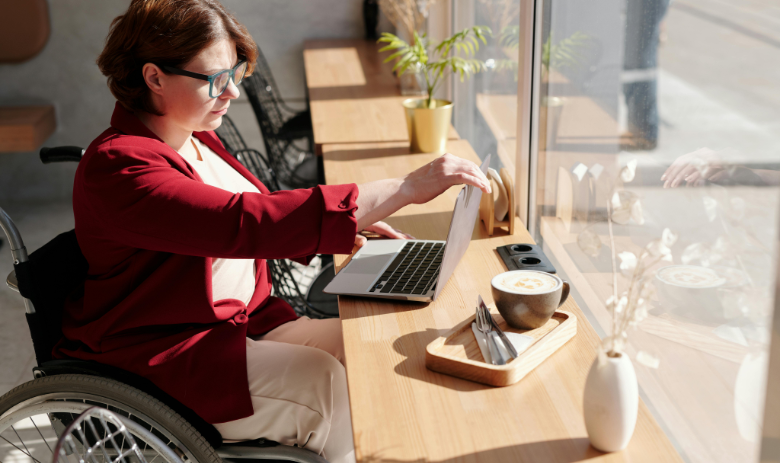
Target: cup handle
<point x="564" y="293"/>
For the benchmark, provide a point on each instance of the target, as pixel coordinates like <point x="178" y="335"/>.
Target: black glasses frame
<point x="211" y="79"/>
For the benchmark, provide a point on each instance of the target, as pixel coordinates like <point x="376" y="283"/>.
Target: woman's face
<point x="185" y="101"/>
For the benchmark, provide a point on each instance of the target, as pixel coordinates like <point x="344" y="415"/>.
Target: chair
<point x="100" y="435"/>
<point x="290" y="124"/>
<point x="34" y="415"/>
<point x="281" y="127"/>
<point x="315" y="303"/>
<point x="256" y="162"/>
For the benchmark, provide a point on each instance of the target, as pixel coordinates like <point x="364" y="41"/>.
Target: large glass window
<point x="687" y="92"/>
<point x="486" y="105"/>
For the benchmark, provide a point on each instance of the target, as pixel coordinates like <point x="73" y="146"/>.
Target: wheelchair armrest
<point x="12" y="282"/>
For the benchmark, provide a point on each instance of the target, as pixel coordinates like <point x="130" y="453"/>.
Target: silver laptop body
<point x="412" y="270"/>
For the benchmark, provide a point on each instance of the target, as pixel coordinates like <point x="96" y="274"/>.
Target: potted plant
<point x="565" y="53"/>
<point x="428" y="119"/>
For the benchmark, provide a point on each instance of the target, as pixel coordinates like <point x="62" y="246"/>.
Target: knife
<point x="509" y="347"/>
<point x="502" y="358"/>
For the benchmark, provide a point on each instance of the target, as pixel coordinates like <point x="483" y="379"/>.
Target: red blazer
<point x="149" y="228"/>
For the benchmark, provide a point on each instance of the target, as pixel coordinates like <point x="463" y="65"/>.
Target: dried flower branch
<point x="407" y="15"/>
<point x="628" y="308"/>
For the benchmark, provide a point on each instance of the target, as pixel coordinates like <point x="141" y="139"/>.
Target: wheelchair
<point x="34" y="415"/>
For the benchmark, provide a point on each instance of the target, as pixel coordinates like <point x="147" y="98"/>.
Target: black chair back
<point x="285" y="287"/>
<point x="53" y="273"/>
<point x="229" y="136"/>
<point x="279" y="149"/>
<point x="252" y="159"/>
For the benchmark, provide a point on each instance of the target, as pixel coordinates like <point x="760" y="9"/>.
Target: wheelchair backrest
<point x="51" y="274"/>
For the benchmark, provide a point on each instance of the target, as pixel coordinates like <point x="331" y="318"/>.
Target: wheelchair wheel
<point x="34" y="415"/>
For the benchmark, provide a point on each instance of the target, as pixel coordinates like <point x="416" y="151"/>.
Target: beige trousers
<point x="298" y="387"/>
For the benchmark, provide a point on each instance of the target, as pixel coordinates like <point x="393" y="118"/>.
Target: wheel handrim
<point x="74" y="403"/>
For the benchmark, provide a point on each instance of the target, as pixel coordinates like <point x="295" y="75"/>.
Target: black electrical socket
<point x="524" y="256"/>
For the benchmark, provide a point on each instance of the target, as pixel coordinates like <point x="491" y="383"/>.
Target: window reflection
<point x="687" y="90"/>
<point x="665" y="85"/>
<point x="486" y="110"/>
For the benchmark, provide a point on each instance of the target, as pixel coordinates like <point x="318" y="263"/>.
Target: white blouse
<point x="230" y="278"/>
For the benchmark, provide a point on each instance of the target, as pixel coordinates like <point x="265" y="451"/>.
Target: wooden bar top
<point x="353" y="96"/>
<point x="403" y="412"/>
<point x="25" y="128"/>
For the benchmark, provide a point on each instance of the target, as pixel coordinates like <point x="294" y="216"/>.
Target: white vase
<point x="611" y="402"/>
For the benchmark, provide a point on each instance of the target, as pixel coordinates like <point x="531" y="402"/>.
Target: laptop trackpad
<point x="371" y="264"/>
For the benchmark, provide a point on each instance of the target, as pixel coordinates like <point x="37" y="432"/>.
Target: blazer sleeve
<point x="143" y="201"/>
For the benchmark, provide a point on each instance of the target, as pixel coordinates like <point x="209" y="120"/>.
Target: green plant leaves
<point x="566" y="53"/>
<point x="418" y="57"/>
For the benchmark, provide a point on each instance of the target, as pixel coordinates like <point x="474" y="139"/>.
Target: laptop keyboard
<point x="413" y="271"/>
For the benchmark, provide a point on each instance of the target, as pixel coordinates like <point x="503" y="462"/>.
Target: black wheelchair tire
<point x="122" y="398"/>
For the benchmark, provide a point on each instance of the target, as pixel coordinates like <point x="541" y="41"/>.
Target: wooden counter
<point x="403" y="412"/>
<point x="25" y="128"/>
<point x="353" y="96"/>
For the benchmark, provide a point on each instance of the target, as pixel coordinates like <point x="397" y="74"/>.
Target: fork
<point x="483" y="325"/>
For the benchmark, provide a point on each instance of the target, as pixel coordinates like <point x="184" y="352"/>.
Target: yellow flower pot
<point x="428" y="127"/>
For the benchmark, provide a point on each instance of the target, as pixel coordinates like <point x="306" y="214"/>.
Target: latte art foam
<point x="527" y="282"/>
<point x="690" y="276"/>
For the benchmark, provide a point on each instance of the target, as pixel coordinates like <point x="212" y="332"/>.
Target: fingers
<point x="678" y="175"/>
<point x="681" y="175"/>
<point x="360" y="240"/>
<point x="672" y="172"/>
<point x="466" y="172"/>
<point x="693" y="179"/>
<point x="384" y="229"/>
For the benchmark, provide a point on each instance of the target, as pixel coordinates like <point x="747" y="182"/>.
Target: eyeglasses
<point x="217" y="82"/>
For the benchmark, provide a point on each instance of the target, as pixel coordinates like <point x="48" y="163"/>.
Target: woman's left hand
<point x="381" y="228"/>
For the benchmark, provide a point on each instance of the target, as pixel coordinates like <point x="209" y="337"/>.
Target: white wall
<point x="65" y="74"/>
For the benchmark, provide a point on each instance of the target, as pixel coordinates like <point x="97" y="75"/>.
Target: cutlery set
<point x="487" y="326"/>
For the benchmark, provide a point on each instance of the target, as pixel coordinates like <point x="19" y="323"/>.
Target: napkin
<point x="521" y="342"/>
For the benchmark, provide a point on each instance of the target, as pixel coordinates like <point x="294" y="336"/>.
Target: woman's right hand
<point x="693" y="168"/>
<point x="434" y="178"/>
<point x="380" y="198"/>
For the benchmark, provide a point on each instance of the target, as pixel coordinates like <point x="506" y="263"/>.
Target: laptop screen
<point x="461" y="228"/>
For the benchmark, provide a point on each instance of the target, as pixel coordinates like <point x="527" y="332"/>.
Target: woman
<point x="176" y="233"/>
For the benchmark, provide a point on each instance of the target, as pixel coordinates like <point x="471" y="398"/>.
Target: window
<point x="687" y="89"/>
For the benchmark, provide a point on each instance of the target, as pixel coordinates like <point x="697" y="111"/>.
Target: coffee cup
<point x="528" y="298"/>
<point x="691" y="291"/>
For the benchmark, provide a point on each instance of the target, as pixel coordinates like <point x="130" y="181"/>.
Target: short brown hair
<point x="166" y="33"/>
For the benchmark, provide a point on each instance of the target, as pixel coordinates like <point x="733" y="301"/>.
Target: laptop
<point x="412" y="270"/>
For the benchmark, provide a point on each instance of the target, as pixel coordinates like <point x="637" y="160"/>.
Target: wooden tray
<point x="458" y="354"/>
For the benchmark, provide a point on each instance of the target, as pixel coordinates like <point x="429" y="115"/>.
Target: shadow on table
<point x="552" y="451"/>
<point x="378" y="307"/>
<point x="412" y="346"/>
<point x="361" y="153"/>
<point x="353" y="92"/>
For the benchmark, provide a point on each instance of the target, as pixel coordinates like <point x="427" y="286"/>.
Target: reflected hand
<point x="435" y="178"/>
<point x="694" y="168"/>
<point x="381" y="228"/>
